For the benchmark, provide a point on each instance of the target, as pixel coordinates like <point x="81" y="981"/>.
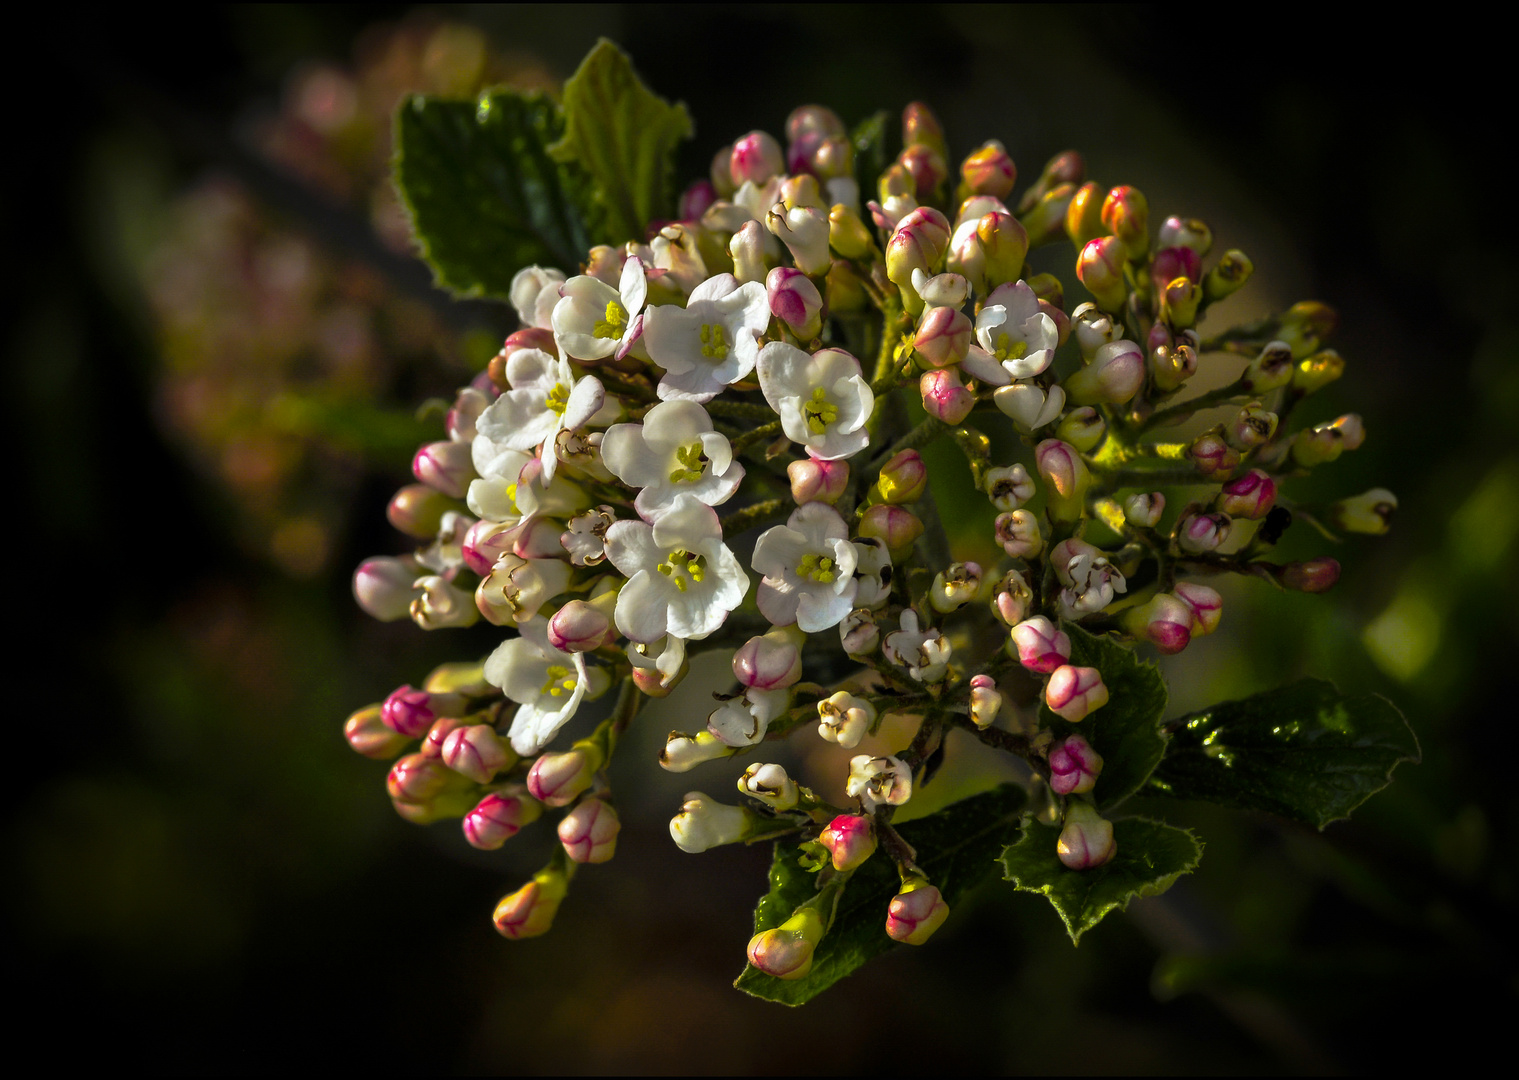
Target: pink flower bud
<point x="944" y="395"/>
<point x="1041" y="646"/>
<point x="1018" y="533"/>
<point x="417" y="778"/>
<point x="768" y="662"/>
<point x="1074" y="692"/>
<point x="1126" y="215"/>
<point x="558" y="779"/>
<point x="476" y="751"/>
<point x="695" y="200"/>
<point x="1314" y="576"/>
<point x="1003" y="244"/>
<point x="1170" y="263"/>
<point x="486" y="541"/>
<point x="382" y="586"/>
<point x="417" y="510"/>
<point x="1165" y="621"/>
<point x="817" y="481"/>
<point x="985" y="700"/>
<point x="1251" y="496"/>
<point x="755" y="157"/>
<point x="1074" y="767"/>
<point x="1100" y="269"/>
<point x="1066" y="477"/>
<point x="530" y="910"/>
<point x="944" y="336"/>
<point x="1202" y="533"/>
<point x="1012" y="599"/>
<point x="1087" y="839"/>
<point x="1206" y="605"/>
<point x="580" y="626"/>
<point x="445" y="467"/>
<point x="850" y="840"/>
<point x="899" y="529"/>
<point x="1252" y="427"/>
<point x="411" y="712"/>
<point x="989" y="171"/>
<point x="370" y="736"/>
<point x="920" y="242"/>
<point x="589" y="832"/>
<point x="926" y="167"/>
<point x="795" y="300"/>
<point x="1114" y="376"/>
<point x="1214" y="457"/>
<point x="529" y="337"/>
<point x="538" y="538"/>
<point x="786" y="951"/>
<point x="499" y="817"/>
<point x="437" y="735"/>
<point x="1143" y="511"/>
<point x="903" y="479"/>
<point x="916" y="912"/>
<point x="815" y="120"/>
<point x="1190" y="233"/>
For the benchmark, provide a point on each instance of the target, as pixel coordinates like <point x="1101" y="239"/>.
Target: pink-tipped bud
<point x="916" y="912"/>
<point x="1065" y="476"/>
<point x="926" y="167"/>
<point x="1314" y="576"/>
<point x="1202" y="533"/>
<point x="850" y="840"/>
<point x="1083" y="215"/>
<point x="371" y="736"/>
<point x="989" y="171"/>
<point x="486" y="541"/>
<point x="437" y="735"/>
<point x="382" y="586"/>
<point x="500" y="816"/>
<point x="558" y="779"/>
<point x="920" y="127"/>
<point x="1012" y="599"/>
<point x="1164" y="621"/>
<point x="1126" y="214"/>
<point x="944" y="336"/>
<point x="786" y="951"/>
<point x="1004" y="244"/>
<point x="813" y="120"/>
<point x="411" y="712"/>
<point x="416" y="778"/>
<point x="817" y="481"/>
<point x="985" y="700"/>
<point x="1228" y="276"/>
<point x="589" y="832"/>
<point x="903" y="479"/>
<point x="768" y="662"/>
<point x="1087" y="839"/>
<point x="945" y="396"/>
<point x="1018" y="533"/>
<point x="1213" y="455"/>
<point x="445" y="467"/>
<point x="1143" y="511"/>
<point x="1190" y="233"/>
<point x="795" y="300"/>
<point x="530" y="910"/>
<point x="1075" y="692"/>
<point x="755" y="157"/>
<point x="1251" y="496"/>
<point x="538" y="537"/>
<point x="1206" y="606"/>
<point x="920" y="242"/>
<point x="1100" y="269"/>
<point x="581" y="626"/>
<point x="1074" y="766"/>
<point x="417" y="510"/>
<point x="531" y="337"/>
<point x="1170" y="263"/>
<point x="1114" y="376"/>
<point x="477" y="752"/>
<point x="1271" y="370"/>
<point x="1042" y="648"/>
<point x="896" y="527"/>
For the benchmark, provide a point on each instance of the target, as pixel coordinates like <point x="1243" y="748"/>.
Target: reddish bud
<point x="945" y="396"/>
<point x="899" y="529"/>
<point x="850" y="840"/>
<point x="499" y="817"/>
<point x="1041" y="647"/>
<point x="1087" y="839"/>
<point x="916" y="912"/>
<point x="1206" y="606"/>
<point x="1100" y="268"/>
<point x="1074" y="692"/>
<point x="903" y="479"/>
<point x="411" y="712"/>
<point x="989" y="171"/>
<point x="1251" y="496"/>
<point x="589" y="832"/>
<point x="382" y="586"/>
<point x="944" y="336"/>
<point x="1314" y="576"/>
<point x="558" y="779"/>
<point x="817" y="481"/>
<point x="1074" y="767"/>
<point x="755" y="157"/>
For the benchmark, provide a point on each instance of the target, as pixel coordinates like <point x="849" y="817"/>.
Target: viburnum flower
<point x="711" y="342"/>
<point x="673" y="451"/>
<point x="547" y="684"/>
<point x="924" y="653"/>
<point x="682" y="579"/>
<point x="593" y="321"/>
<point x="1089" y="579"/>
<point x="808" y="566"/>
<point x="534" y="293"/>
<point x="823" y="400"/>
<point x="872" y="572"/>
<point x="545" y="399"/>
<point x="1016" y="339"/>
<point x="878" y="781"/>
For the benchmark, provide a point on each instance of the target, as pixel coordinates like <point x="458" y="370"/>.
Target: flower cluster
<point x="736" y="383"/>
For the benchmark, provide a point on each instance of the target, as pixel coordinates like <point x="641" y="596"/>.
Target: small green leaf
<point x="1125" y="731"/>
<point x="957" y="848"/>
<point x="624" y="137"/>
<point x="1151" y="855"/>
<point x="1302" y="751"/>
<point x="484" y="196"/>
<point x="870" y="156"/>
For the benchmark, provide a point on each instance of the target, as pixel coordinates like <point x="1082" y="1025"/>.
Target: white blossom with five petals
<point x="547" y="684"/>
<point x="823" y="400"/>
<point x="711" y="342"/>
<point x="808" y="566"/>
<point x="673" y="452"/>
<point x="593" y="321"/>
<point x="1014" y="338"/>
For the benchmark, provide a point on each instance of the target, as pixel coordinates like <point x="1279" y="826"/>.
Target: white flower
<point x="1089" y="579"/>
<point x="664" y="658"/>
<point x="683" y="580"/>
<point x="742" y="720"/>
<point x="822" y="399"/>
<point x="709" y="343"/>
<point x="875" y="781"/>
<point x="674" y="451"/>
<point x="1029" y="405"/>
<point x="872" y="572"/>
<point x="808" y="565"/>
<point x="534" y="293"/>
<point x="924" y="653"/>
<point x="547" y="684"/>
<point x="544" y="398"/>
<point x="516" y="588"/>
<point x="592" y="320"/>
<point x="1015" y="340"/>
<point x="844" y="719"/>
<point x="704" y="823"/>
<point x="586" y="538"/>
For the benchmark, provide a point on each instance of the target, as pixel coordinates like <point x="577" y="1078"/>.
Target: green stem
<point x="754" y="435"/>
<point x="1185" y="409"/>
<point x="740" y="410"/>
<point x="754" y="514"/>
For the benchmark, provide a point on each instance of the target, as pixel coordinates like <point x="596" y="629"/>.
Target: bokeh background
<point x="218" y="341"/>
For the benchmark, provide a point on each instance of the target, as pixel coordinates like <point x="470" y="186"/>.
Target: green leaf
<point x="1125" y="731"/>
<point x="624" y="137"/>
<point x="1302" y="751"/>
<point x="1151" y="855"/>
<point x="870" y="155"/>
<point x="484" y="196"/>
<point x="957" y="848"/>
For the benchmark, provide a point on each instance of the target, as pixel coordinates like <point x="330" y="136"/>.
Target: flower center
<point x="1008" y="349"/>
<point x="615" y="322"/>
<point x="559" y="398"/>
<point x="693" y="462"/>
<point x="561" y="681"/>
<point x="819" y="412"/>
<point x="683" y="567"/>
<point x="819" y="568"/>
<point x="714" y="342"/>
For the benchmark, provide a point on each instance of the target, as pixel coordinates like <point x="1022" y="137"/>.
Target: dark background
<point x="204" y="877"/>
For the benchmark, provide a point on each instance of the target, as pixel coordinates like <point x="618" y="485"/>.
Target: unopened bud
<point x="1179" y="301"/>
<point x="417" y="778"/>
<point x="683" y="752"/>
<point x="558" y="779"/>
<point x="705" y="823"/>
<point x="1008" y="488"/>
<point x="437" y="735"/>
<point x="985" y="701"/>
<point x="903" y="479"/>
<point x="1114" y="376"/>
<point x="486" y="541"/>
<point x="1083" y="217"/>
<point x="721" y="175"/>
<point x="1012" y="599"/>
<point x="1065" y="476"/>
<point x="411" y="712"/>
<point x="1164" y="621"/>
<point x="1206" y="606"/>
<point x="1093" y="328"/>
<point x="1075" y="692"/>
<point x="382" y="586"/>
<point x="944" y="336"/>
<point x="1029" y="406"/>
<point x="850" y="839"/>
<point x="1318" y="445"/>
<point x="1228" y="277"/>
<point x="1172" y="365"/>
<point x="988" y="171"/>
<point x="369" y="735"/>
<point x="898" y="528"/>
<point x="500" y="816"/>
<point x="795" y="300"/>
<point x="1083" y="428"/>
<point x="920" y="242"/>
<point x="927" y="168"/>
<point x="476" y="751"/>
<point x="589" y="832"/>
<point x="530" y="910"/>
<point x="1369" y="513"/>
<point x="786" y="951"/>
<point x="858" y="633"/>
<point x="1045" y="218"/>
<point x="802" y="190"/>
<point x="1042" y="648"/>
<point x="446" y="467"/>
<point x="1202" y="533"/>
<point x="1018" y="533"/>
<point x="916" y="912"/>
<point x="1314" y="576"/>
<point x="1126" y="215"/>
<point x="529" y="337"/>
<point x="755" y="158"/>
<point x="1192" y="233"/>
<point x="1003" y="246"/>
<point x="844" y="290"/>
<point x="1074" y="766"/>
<point x="1143" y="511"/>
<point x="1254" y="426"/>
<point x="1271" y="370"/>
<point x="1213" y="455"/>
<point x="804" y="231"/>
<point x="1318" y="371"/>
<point x="813" y="480"/>
<point x="768" y="662"/>
<point x="1087" y="839"/>
<point x="770" y="785"/>
<point x="581" y="626"/>
<point x="1170" y="263"/>
<point x="1100" y="269"/>
<point x="417" y="510"/>
<point x="747" y="249"/>
<point x="920" y="127"/>
<point x="847" y="234"/>
<point x="1251" y="496"/>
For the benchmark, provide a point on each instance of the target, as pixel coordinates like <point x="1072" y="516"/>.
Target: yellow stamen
<point x="714" y="343"/>
<point x="819" y="412"/>
<point x="615" y="322"/>
<point x="1008" y="349"/>
<point x="819" y="568"/>
<point x="694" y="463"/>
<point x="559" y="398"/>
<point x="560" y="681"/>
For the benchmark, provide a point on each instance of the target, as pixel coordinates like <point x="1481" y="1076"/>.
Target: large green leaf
<point x="1125" y="731"/>
<point x="624" y="137"/>
<point x="484" y="196"/>
<point x="1303" y="751"/>
<point x="1151" y="855"/>
<point x="957" y="848"/>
